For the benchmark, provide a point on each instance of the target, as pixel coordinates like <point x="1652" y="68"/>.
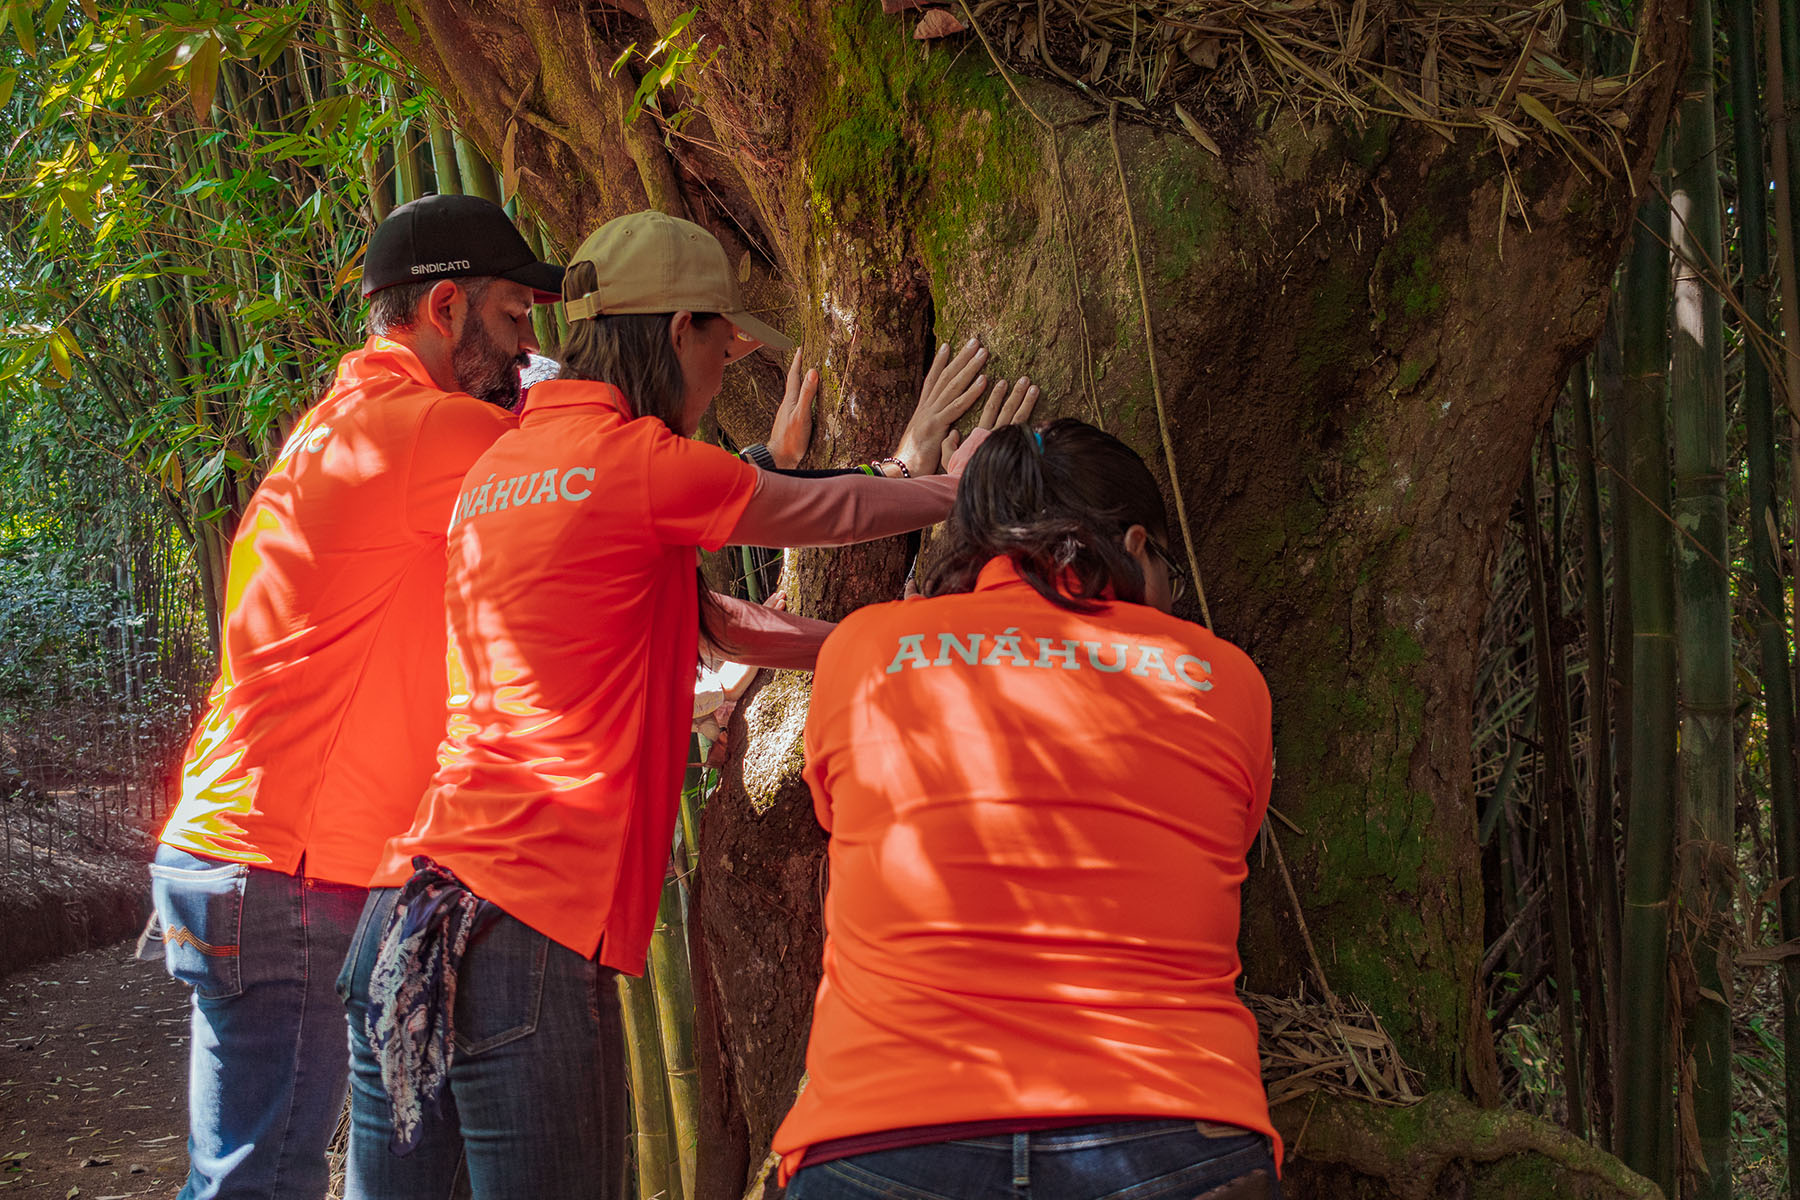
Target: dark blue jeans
<point x="1128" y="1160"/>
<point x="536" y="1102"/>
<point x="267" y="1062"/>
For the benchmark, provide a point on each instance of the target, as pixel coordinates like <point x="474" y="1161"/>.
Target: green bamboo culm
<point x="1645" y="1112"/>
<point x="1706" y="761"/>
<point x="674" y="988"/>
<point x="477" y="175"/>
<point x="409" y="176"/>
<point x="543" y="316"/>
<point x="346" y="24"/>
<point x="693" y="795"/>
<point x="651" y="1149"/>
<point x="443" y="157"/>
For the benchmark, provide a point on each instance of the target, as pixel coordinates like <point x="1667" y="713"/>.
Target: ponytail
<point x="1057" y="502"/>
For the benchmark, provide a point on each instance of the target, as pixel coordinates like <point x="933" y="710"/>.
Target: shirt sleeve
<point x="455" y="431"/>
<point x="785" y="511"/>
<point x="765" y="637"/>
<point x="697" y="491"/>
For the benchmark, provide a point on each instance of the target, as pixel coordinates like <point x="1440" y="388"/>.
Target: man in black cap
<point x="320" y="734"/>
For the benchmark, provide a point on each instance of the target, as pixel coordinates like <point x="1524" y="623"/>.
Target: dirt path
<point x="93" y="1091"/>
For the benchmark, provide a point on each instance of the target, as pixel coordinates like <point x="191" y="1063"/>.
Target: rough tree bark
<point x="1355" y="353"/>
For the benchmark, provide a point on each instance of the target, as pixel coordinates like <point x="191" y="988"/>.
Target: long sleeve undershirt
<point x="837" y="511"/>
<point x="767" y="637"/>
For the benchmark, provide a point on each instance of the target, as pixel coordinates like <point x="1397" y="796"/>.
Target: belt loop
<point x="1021" y="1160"/>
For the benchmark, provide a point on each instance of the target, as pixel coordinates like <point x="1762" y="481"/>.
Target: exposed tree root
<point x="1443" y="1146"/>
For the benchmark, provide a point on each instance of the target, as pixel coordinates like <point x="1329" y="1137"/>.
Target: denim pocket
<point x="1199" y="1179"/>
<point x="500" y="985"/>
<point x="202" y="914"/>
<point x="376" y="911"/>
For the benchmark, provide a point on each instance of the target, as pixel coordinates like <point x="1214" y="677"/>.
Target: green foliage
<point x="182" y="204"/>
<point x="669" y="63"/>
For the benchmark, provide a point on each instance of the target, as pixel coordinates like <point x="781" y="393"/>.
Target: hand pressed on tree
<point x="792" y="431"/>
<point x="952" y="385"/>
<point x="1003" y="407"/>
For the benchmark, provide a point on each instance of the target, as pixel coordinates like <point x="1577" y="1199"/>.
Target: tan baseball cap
<point x="650" y="262"/>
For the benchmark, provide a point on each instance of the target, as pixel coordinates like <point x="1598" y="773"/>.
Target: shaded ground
<point x="72" y="871"/>
<point x="92" y="1078"/>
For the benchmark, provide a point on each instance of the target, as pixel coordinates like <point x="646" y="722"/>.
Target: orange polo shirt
<point x="318" y="737"/>
<point x="1039" y="821"/>
<point x="574" y="638"/>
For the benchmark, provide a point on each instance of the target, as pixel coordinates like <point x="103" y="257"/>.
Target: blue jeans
<point x="267" y="1063"/>
<point x="536" y="1103"/>
<point x="1127" y="1160"/>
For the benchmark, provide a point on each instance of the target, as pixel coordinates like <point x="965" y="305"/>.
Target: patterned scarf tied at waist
<point x="412" y="995"/>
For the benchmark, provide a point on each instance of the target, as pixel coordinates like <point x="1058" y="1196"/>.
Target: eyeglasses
<point x="1178" y="576"/>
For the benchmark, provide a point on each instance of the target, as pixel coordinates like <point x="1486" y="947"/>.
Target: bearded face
<point x="483" y="367"/>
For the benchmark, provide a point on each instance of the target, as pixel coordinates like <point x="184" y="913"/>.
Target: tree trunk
<point x="1353" y="348"/>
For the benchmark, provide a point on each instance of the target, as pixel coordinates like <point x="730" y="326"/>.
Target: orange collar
<point x="574" y="393"/>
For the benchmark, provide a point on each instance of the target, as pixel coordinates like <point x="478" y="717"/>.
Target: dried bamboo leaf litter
<point x="1496" y="67"/>
<point x="1342" y="1049"/>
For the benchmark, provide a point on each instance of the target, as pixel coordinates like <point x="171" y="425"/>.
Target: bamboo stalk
<point x="1706" y="759"/>
<point x="649" y="1103"/>
<point x="1781" y="57"/>
<point x="1553" y="735"/>
<point x="344" y="28"/>
<point x="1603" y="875"/>
<point x="409" y="175"/>
<point x="674" y="987"/>
<point x="1646" y="1119"/>
<point x="477" y="176"/>
<point x="443" y="157"/>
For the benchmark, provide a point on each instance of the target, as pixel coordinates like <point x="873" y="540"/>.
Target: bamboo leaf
<point x="1534" y="108"/>
<point x="203" y="76"/>
<point x="21" y="20"/>
<point x="151" y="76"/>
<point x="79" y="205"/>
<point x="59" y="358"/>
<point x="8" y="79"/>
<point x="352" y="269"/>
<point x="509" y="165"/>
<point x="91" y="10"/>
<point x="1199" y="135"/>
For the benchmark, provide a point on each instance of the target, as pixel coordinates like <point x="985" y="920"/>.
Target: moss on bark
<point x="1442" y="1147"/>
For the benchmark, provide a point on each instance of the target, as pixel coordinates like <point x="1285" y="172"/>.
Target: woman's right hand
<point x="792" y="431"/>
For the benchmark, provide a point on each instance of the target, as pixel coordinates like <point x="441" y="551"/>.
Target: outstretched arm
<point x="767" y="637"/>
<point x="788" y="511"/>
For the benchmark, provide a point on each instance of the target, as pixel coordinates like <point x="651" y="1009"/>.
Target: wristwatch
<point x="758" y="455"/>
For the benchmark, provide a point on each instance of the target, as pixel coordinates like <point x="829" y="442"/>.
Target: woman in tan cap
<point x="483" y="1016"/>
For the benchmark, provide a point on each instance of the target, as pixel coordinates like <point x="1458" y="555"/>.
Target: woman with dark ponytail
<point x="1040" y="787"/>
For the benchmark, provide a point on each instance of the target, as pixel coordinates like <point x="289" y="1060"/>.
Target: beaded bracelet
<point x="904" y="473"/>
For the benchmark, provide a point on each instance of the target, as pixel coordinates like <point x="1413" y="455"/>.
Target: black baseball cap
<point x="451" y="237"/>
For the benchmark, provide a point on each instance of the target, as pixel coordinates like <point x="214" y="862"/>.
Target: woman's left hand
<point x="952" y="386"/>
